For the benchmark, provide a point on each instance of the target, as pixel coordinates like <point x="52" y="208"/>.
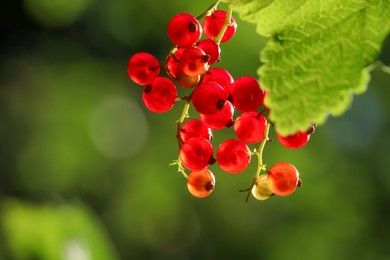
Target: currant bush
<point x="215" y="96"/>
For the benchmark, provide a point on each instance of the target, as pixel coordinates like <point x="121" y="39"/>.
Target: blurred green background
<point x="84" y="166"/>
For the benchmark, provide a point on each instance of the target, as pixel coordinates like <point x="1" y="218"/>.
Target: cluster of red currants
<point x="215" y="95"/>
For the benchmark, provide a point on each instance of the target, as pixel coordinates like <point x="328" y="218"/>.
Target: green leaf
<point x="48" y="231"/>
<point x="317" y="56"/>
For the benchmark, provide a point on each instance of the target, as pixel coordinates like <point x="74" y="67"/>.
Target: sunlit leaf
<point x="317" y="55"/>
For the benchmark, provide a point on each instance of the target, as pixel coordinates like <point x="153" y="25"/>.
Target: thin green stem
<point x="180" y="167"/>
<point x="225" y="26"/>
<point x="260" y="165"/>
<point x="179" y="123"/>
<point x="210" y="9"/>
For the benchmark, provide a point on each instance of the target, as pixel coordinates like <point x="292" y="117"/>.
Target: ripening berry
<point x="143" y="68"/>
<point x="246" y="94"/>
<point x="220" y="119"/>
<point x="196" y="154"/>
<point x="221" y="76"/>
<point x="261" y="190"/>
<point x="233" y="156"/>
<point x="193" y="61"/>
<point x="211" y="48"/>
<point x="184" y="30"/>
<point x="160" y="96"/>
<point x="283" y="178"/>
<point x="201" y="183"/>
<point x="194" y="128"/>
<point x="250" y="127"/>
<point x="294" y="141"/>
<point x="186" y="81"/>
<point x="213" y="23"/>
<point x="208" y="98"/>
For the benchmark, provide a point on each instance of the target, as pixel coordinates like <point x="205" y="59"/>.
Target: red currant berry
<point x="213" y="23"/>
<point x="294" y="141"/>
<point x="160" y="96"/>
<point x="261" y="190"/>
<point x="246" y="94"/>
<point x="211" y="48"/>
<point x="184" y="30"/>
<point x="201" y="183"/>
<point x="193" y="61"/>
<point x="233" y="156"/>
<point x="221" y="119"/>
<point x="208" y="98"/>
<point x="283" y="178"/>
<point x="196" y="154"/>
<point x="195" y="128"/>
<point x="172" y="62"/>
<point x="143" y="68"/>
<point x="221" y="76"/>
<point x="250" y="127"/>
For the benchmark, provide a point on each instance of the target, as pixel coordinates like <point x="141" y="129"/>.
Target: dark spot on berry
<point x="155" y="68"/>
<point x="220" y="104"/>
<point x="193" y="27"/>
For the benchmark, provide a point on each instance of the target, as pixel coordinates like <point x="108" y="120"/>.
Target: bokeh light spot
<point x="118" y="127"/>
<point x="56" y="13"/>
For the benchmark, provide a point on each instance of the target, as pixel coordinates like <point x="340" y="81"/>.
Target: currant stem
<point x="225" y="25"/>
<point x="210" y="9"/>
<point x="260" y="165"/>
<point x="179" y="122"/>
<point x="180" y="167"/>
